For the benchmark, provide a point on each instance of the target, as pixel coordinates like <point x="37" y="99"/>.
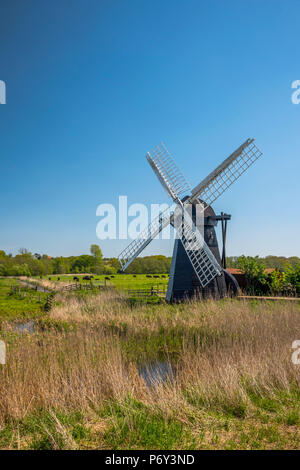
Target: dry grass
<point x="230" y="359"/>
<point x="52" y="285"/>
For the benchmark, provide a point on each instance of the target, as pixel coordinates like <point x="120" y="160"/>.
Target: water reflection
<point x="27" y="327"/>
<point x="156" y="373"/>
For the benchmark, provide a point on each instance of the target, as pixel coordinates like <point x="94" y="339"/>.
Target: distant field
<point x="121" y="281"/>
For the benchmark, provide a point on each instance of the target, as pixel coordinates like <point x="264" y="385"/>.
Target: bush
<point x="293" y="277"/>
<point x="108" y="269"/>
<point x="256" y="278"/>
<point x="3" y="270"/>
<point x="19" y="270"/>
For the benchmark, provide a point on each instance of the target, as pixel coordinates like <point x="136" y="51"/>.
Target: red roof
<point x="239" y="271"/>
<point x="234" y="271"/>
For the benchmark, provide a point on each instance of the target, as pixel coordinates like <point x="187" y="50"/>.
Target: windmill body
<point x="183" y="281"/>
<point x="197" y="268"/>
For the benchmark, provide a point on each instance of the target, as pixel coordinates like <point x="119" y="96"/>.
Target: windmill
<point x="197" y="267"/>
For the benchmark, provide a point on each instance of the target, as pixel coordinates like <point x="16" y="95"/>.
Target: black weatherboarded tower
<point x="183" y="282"/>
<point x="197" y="268"/>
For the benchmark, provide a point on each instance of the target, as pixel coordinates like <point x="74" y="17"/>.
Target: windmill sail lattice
<point x="200" y="256"/>
<point x="168" y="173"/>
<point x="227" y="173"/>
<point x="203" y="261"/>
<point x="139" y="244"/>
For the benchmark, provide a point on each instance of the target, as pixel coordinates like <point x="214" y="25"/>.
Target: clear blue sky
<point x="92" y="85"/>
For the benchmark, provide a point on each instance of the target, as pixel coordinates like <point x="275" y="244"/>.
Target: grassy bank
<point x="18" y="301"/>
<point x="76" y="382"/>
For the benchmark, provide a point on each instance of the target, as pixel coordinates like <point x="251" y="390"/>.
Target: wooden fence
<point x="67" y="288"/>
<point x="158" y="291"/>
<point x="79" y="286"/>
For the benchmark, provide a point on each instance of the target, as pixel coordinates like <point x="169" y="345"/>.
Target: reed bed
<point x="231" y="361"/>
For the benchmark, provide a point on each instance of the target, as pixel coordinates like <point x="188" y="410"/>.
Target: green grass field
<point x="17" y="301"/>
<point x="120" y="281"/>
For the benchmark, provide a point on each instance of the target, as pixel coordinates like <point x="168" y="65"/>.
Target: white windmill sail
<point x="174" y="184"/>
<point x="168" y="173"/>
<point x="227" y="173"/>
<point x="139" y="244"/>
<point x="201" y="257"/>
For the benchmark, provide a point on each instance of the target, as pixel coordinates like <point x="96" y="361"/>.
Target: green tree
<point x="254" y="270"/>
<point x="277" y="282"/>
<point x="3" y="270"/>
<point x="108" y="269"/>
<point x="293" y="276"/>
<point x="83" y="263"/>
<point x="96" y="252"/>
<point x="98" y="259"/>
<point x="59" y="266"/>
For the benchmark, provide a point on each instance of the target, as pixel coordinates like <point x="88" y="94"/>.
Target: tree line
<point x="36" y="264"/>
<point x="285" y="280"/>
<point x="279" y="262"/>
